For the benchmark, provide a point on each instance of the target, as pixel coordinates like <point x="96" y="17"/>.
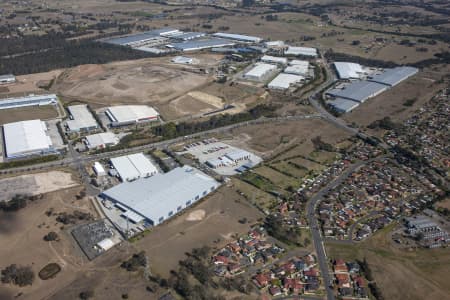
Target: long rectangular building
<point x="7" y="78"/>
<point x="153" y="200"/>
<point x="101" y="140"/>
<point x="81" y="119"/>
<point x="122" y="115"/>
<point x="31" y="100"/>
<point x="284" y="81"/>
<point x="239" y="37"/>
<point x="26" y="138"/>
<point x="196" y="45"/>
<point x="359" y="91"/>
<point x="392" y="77"/>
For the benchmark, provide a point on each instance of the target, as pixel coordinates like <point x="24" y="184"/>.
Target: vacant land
<point x="34" y="184"/>
<point x="213" y="222"/>
<point x="149" y="81"/>
<point x="28" y="84"/>
<point x="270" y="139"/>
<point x="422" y="274"/>
<point x="27" y="113"/>
<point x="21" y="236"/>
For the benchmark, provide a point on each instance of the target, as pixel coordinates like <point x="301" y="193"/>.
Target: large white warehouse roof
<point x="348" y="70"/>
<point x="274" y="59"/>
<point x="31" y="100"/>
<point x="26" y="138"/>
<point x="304" y="51"/>
<point x="82" y="118"/>
<point x="239" y="37"/>
<point x="259" y="70"/>
<point x="394" y="76"/>
<point x="163" y="195"/>
<point x="100" y="140"/>
<point x="129" y="114"/>
<point x="133" y="166"/>
<point x="284" y="81"/>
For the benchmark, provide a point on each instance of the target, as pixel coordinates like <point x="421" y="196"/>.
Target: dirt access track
<point x="147" y="81"/>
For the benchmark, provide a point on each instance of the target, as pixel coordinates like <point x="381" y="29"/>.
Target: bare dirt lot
<point x="422" y="274"/>
<point x="268" y="139"/>
<point x="167" y="244"/>
<point x="149" y="81"/>
<point x="30" y="83"/>
<point x="34" y="184"/>
<point x="391" y="103"/>
<point x="27" y="113"/>
<point x="21" y="237"/>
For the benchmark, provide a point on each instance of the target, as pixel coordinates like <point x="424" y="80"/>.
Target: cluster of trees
<point x="17" y="202"/>
<point x="172" y="130"/>
<point x="18" y="275"/>
<point x="387" y="124"/>
<point x="135" y="262"/>
<point x="51" y="236"/>
<point x="49" y="55"/>
<point x="66" y="218"/>
<point x="274" y="226"/>
<point x="321" y="145"/>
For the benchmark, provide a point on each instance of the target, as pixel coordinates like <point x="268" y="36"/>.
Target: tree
<point x="86" y="294"/>
<point x="51" y="236"/>
<point x="18" y="275"/>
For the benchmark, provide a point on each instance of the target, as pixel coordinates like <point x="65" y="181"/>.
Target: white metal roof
<point x="8" y="77"/>
<point x="28" y="101"/>
<point x="182" y="60"/>
<point x="274" y="59"/>
<point x="347" y="70"/>
<point x="270" y="44"/>
<point x="131" y="113"/>
<point x="158" y="195"/>
<point x="99" y="168"/>
<point x="343" y="105"/>
<point x="100" y="139"/>
<point x="394" y="76"/>
<point x="237" y="155"/>
<point x="359" y="91"/>
<point x="260" y="69"/>
<point x="106" y="244"/>
<point x="284" y="81"/>
<point x="82" y="118"/>
<point x="26" y="137"/>
<point x="239" y="37"/>
<point x="297" y="69"/>
<point x="305" y="51"/>
<point x="134" y="166"/>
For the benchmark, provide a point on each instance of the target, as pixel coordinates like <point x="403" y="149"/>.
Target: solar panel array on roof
<point x="392" y="77"/>
<point x="163" y="195"/>
<point x="359" y="91"/>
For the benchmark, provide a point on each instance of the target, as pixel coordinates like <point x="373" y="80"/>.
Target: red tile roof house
<point x="311" y="273"/>
<point x="234" y="247"/>
<point x="343" y="280"/>
<point x="234" y="268"/>
<point x="359" y="281"/>
<point x="275" y="291"/>
<point x="262" y="280"/>
<point x="294" y="285"/>
<point x="220" y="260"/>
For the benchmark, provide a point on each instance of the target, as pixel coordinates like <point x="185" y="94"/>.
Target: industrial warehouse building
<point x="151" y="201"/>
<point x="358" y="91"/>
<point x="31" y="100"/>
<point x="298" y="67"/>
<point x="122" y="115"/>
<point x="81" y="119"/>
<point x="343" y="105"/>
<point x="348" y="70"/>
<point x="284" y="81"/>
<point x="153" y="37"/>
<point x="26" y="138"/>
<point x="392" y="77"/>
<point x="196" y="45"/>
<point x="7" y="78"/>
<point x="239" y="37"/>
<point x="301" y="51"/>
<point x="101" y="140"/>
<point x="260" y="71"/>
<point x="274" y="60"/>
<point x="133" y="166"/>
